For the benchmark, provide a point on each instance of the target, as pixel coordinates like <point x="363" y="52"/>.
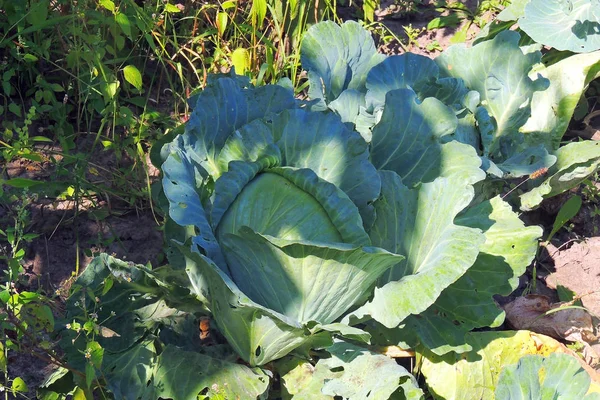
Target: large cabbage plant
<point x="296" y="229"/>
<point x="314" y="232"/>
<point x="295" y="219"/>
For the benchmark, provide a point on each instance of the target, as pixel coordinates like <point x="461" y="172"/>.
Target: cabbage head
<point x="278" y="198"/>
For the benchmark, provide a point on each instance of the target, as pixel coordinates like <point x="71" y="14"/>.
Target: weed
<point x="456" y="12"/>
<point x="433" y="46"/>
<point x="412" y="34"/>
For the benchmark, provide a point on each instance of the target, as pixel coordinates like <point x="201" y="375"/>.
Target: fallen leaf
<point x="536" y="313"/>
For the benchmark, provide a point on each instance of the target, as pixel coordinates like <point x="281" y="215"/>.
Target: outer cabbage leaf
<point x="558" y="376"/>
<point x="468" y="303"/>
<point x="158" y="287"/>
<point x="175" y="378"/>
<point x="419" y="223"/>
<point x="502" y="81"/>
<point x="220" y="109"/>
<point x="337" y="58"/>
<point x="185" y="204"/>
<point x="575" y="162"/>
<point x="129" y="356"/>
<point x="572" y="25"/>
<point x="514" y="11"/>
<point x="429" y="329"/>
<point x="304" y="281"/>
<point x="399" y="72"/>
<point x="474" y="375"/>
<point x="421" y="74"/>
<point x="528" y="161"/>
<point x="509" y="248"/>
<point x="261" y="333"/>
<point x="354" y="373"/>
<point x="300" y="380"/>
<point x="407" y="140"/>
<point x="256" y="333"/>
<point x="552" y="109"/>
<point x="127" y="374"/>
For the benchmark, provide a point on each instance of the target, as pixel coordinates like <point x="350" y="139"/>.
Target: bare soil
<point x="396" y="19"/>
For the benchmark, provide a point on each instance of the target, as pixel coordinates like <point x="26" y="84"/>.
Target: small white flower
<point x="68" y="326"/>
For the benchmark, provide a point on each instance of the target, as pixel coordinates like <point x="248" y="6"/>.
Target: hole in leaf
<point x="258" y="351"/>
<point x="337" y="369"/>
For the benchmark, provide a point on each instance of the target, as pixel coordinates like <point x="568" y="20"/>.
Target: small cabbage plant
<point x="314" y="232"/>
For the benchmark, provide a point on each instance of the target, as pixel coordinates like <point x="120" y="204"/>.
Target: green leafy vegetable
<point x="174" y="379"/>
<point x="354" y="373"/>
<point x="558" y="376"/>
<point x="475" y="374"/>
<point x="565" y="25"/>
<point x="361" y="214"/>
<point x="338" y="58"/>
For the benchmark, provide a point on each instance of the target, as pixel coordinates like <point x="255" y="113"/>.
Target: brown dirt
<point x="394" y="19"/>
<point x="72" y="233"/>
<point x="51" y="258"/>
<point x="578" y="268"/>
